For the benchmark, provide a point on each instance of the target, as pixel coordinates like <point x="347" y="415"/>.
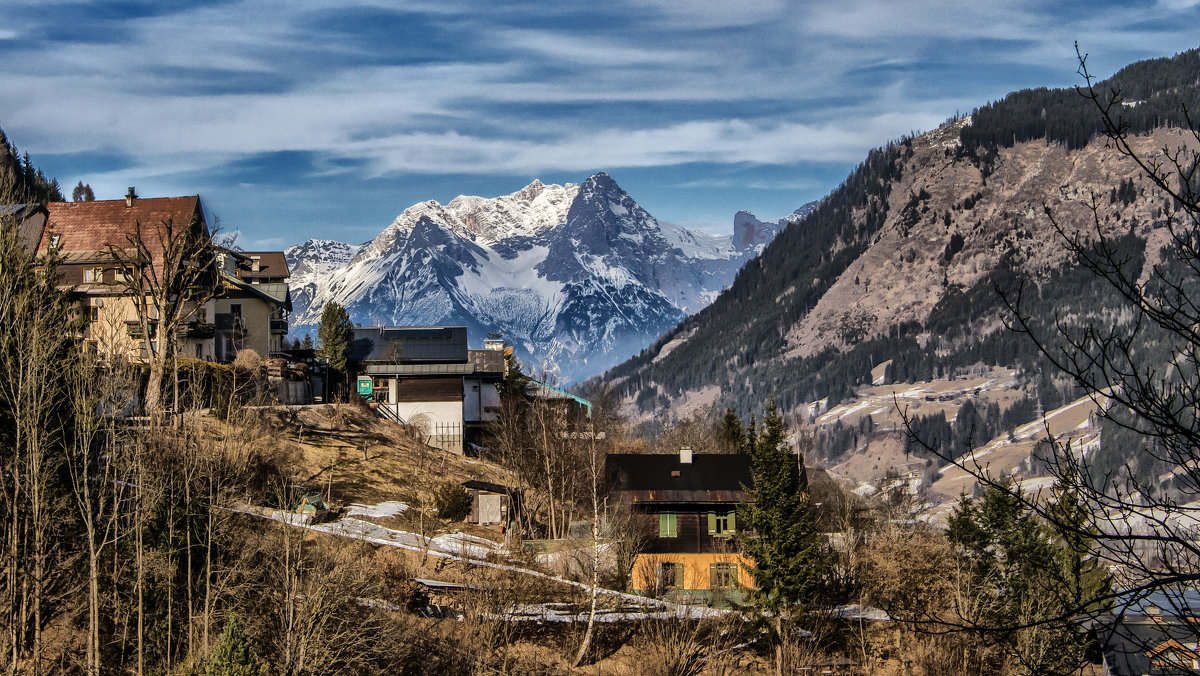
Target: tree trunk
<point x="587" y="636"/>
<point x="779" y="644"/>
<point x="141" y="572"/>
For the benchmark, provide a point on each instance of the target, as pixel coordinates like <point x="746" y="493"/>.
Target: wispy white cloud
<point x="497" y="90"/>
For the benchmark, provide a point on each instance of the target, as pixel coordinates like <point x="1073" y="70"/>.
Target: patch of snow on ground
<point x="369" y="532"/>
<point x="461" y="544"/>
<point x="381" y="510"/>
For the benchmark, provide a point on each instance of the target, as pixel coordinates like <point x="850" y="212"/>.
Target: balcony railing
<point x="134" y="328"/>
<point x="199" y="330"/>
<point x="279" y="326"/>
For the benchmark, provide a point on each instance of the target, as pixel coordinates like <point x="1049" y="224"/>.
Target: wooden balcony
<point x="197" y="330"/>
<point x="134" y="328"/>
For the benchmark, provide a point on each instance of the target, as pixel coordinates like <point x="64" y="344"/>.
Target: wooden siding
<point x="692" y="532"/>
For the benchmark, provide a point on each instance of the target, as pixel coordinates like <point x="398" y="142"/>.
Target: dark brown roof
<point x="710" y="477"/>
<point x="271" y="265"/>
<point x="90" y="228"/>
<point x="430" y="389"/>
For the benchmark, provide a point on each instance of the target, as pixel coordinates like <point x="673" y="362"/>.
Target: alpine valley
<point x="577" y="277"/>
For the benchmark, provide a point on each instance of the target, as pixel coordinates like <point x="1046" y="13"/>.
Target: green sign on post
<point x="364" y="386"/>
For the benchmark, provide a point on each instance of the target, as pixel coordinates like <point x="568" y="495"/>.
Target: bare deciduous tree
<point x="169" y="274"/>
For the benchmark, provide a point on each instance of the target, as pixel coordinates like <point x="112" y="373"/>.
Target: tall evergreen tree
<point x="781" y="538"/>
<point x="334" y="334"/>
<point x="733" y="437"/>
<point x="82" y="193"/>
<point x="1034" y="576"/>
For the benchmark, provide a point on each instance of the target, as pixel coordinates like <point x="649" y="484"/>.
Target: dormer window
<point x="55" y="238"/>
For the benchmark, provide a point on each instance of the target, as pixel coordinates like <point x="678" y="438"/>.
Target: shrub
<point x="234" y="655"/>
<point x="452" y="501"/>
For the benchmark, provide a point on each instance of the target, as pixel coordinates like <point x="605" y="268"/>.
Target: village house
<point x="95" y="243"/>
<point x="253" y="306"/>
<point x="427" y="377"/>
<point x="98" y="245"/>
<point x="686" y="506"/>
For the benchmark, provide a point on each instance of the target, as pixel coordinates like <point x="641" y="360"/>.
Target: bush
<point x="204" y="384"/>
<point x="452" y="501"/>
<point x="234" y="655"/>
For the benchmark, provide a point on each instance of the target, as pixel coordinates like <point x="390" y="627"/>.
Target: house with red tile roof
<point x="96" y="244"/>
<point x="99" y="244"/>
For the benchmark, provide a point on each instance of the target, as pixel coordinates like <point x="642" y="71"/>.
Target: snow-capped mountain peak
<point x="575" y="276"/>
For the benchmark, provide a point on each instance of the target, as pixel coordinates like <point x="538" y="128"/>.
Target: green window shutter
<point x="666" y="525"/>
<point x="712" y="523"/>
<point x="732" y="522"/>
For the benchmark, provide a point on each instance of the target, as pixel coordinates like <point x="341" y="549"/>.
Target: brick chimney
<point x="130" y="197"/>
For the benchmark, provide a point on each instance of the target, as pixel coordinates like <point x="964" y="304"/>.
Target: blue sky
<point x="320" y="118"/>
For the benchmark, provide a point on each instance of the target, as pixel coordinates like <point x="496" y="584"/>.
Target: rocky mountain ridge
<point x="576" y="276"/>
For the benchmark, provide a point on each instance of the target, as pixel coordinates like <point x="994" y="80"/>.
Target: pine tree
<point x="334" y="334"/>
<point x="308" y="342"/>
<point x="1083" y="577"/>
<point x="1034" y="574"/>
<point x="782" y="538"/>
<point x="82" y="193"/>
<point x="733" y="437"/>
<point x="234" y="655"/>
<point x="783" y="541"/>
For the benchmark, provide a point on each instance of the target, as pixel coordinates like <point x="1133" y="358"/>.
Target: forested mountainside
<point x="909" y="259"/>
<point x="26" y="180"/>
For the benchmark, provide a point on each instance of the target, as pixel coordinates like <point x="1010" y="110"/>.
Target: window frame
<point x="93" y="275"/>
<point x="722" y="575"/>
<point x="668" y="525"/>
<point x="722" y="524"/>
<point x="669" y="575"/>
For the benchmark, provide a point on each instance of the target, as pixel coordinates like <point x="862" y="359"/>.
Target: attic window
<point x="93" y="274"/>
<point x="55" y="238"/>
